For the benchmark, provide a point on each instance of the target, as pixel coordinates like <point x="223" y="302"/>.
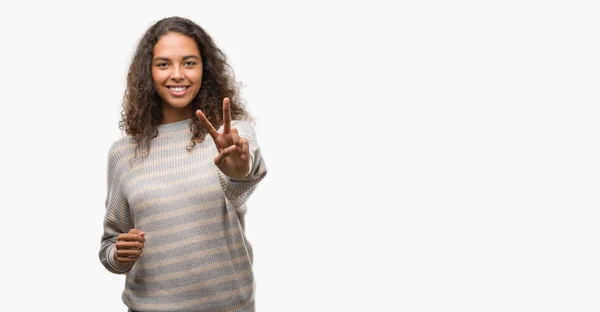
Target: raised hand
<point x="130" y="246"/>
<point x="233" y="158"/>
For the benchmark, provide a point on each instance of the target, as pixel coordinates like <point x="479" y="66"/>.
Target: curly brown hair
<point x="142" y="112"/>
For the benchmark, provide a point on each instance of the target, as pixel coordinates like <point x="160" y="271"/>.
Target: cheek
<point x="197" y="77"/>
<point x="158" y="77"/>
<point x="154" y="78"/>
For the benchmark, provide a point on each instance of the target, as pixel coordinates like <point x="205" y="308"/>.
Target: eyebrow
<point x="160" y="58"/>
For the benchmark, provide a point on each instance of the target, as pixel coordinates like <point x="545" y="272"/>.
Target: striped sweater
<point x="196" y="255"/>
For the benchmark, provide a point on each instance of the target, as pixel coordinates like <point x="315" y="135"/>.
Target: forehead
<point x="175" y="44"/>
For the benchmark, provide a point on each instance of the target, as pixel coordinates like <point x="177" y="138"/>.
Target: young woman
<point x="177" y="186"/>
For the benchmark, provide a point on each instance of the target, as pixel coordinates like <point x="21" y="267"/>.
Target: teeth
<point x="177" y="89"/>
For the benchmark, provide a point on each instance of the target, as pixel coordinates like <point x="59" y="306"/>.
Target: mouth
<point x="178" y="90"/>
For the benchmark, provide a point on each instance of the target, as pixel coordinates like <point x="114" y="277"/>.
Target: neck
<point x="172" y="114"/>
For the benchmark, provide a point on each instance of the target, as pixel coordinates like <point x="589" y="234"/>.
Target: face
<point x="177" y="73"/>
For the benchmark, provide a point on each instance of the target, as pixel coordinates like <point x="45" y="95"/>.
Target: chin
<point x="178" y="104"/>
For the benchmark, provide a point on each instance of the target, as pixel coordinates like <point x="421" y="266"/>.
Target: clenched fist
<point x="130" y="246"/>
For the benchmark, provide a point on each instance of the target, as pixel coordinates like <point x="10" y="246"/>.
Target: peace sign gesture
<point x="233" y="158"/>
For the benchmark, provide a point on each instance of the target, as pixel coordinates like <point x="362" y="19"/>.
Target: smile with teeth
<point x="177" y="89"/>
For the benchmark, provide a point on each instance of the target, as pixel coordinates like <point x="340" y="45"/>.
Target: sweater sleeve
<point x="237" y="192"/>
<point x="117" y="218"/>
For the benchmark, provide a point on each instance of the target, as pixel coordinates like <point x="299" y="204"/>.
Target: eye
<point x="190" y="63"/>
<point x="160" y="65"/>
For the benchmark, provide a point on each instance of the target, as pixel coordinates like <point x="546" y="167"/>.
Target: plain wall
<point x="422" y="155"/>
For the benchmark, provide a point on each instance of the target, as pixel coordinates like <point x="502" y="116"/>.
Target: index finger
<point x="207" y="125"/>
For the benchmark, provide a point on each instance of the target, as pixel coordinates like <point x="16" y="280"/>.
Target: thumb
<point x="224" y="153"/>
<point x="136" y="231"/>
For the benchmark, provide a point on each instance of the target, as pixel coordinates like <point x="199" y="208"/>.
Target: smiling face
<point x="177" y="74"/>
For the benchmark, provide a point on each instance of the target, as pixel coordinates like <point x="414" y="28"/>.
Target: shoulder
<point x="120" y="147"/>
<point x="120" y="154"/>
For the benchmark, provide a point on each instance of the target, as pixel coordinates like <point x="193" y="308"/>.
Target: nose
<point x="176" y="74"/>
